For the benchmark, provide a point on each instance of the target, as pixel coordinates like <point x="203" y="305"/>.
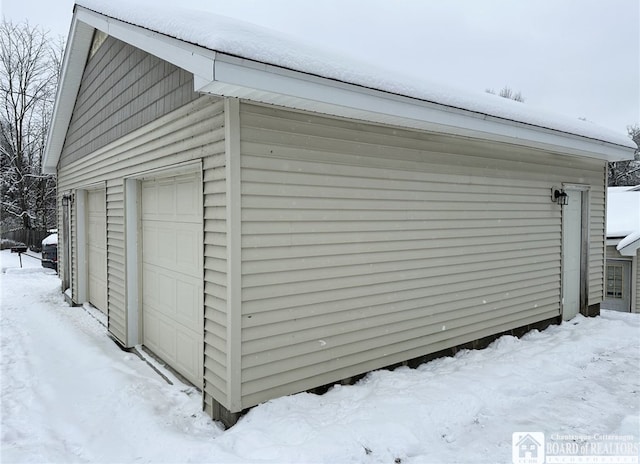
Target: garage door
<point x="97" y="248"/>
<point x="172" y="313"/>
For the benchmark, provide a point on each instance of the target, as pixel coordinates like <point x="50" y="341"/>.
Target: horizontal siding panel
<point x="214" y="386"/>
<point x="415" y="298"/>
<point x="214" y="383"/>
<point x="269" y="142"/>
<point x="216" y="160"/>
<point x="443" y="201"/>
<point x="439" y="163"/>
<point x="217" y="291"/>
<point x="457" y="246"/>
<point x="478" y="263"/>
<point x="637" y="286"/>
<point x="360" y="243"/>
<point x="434" y="223"/>
<point x="211" y="301"/>
<point x="613" y="253"/>
<point x="216" y="316"/>
<point x="353" y="336"/>
<point x="441" y="234"/>
<point x="419" y="191"/>
<point x="327" y="371"/>
<point x="214" y="225"/>
<point x="408" y="289"/>
<point x="427" y="276"/>
<point x="340" y="368"/>
<point x="217" y="269"/>
<point x="215" y="337"/>
<point x="473" y="254"/>
<point x="369" y="138"/>
<point x="215" y="264"/>
<point x="268" y="170"/>
<point x="390" y="170"/>
<point x="383" y="348"/>
<point x="262" y="334"/>
<point x="432" y="211"/>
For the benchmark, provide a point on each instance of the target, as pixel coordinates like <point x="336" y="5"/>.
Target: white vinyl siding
<point x="363" y="246"/>
<point x="635" y="269"/>
<point x="115" y="258"/>
<point x="194" y="131"/>
<point x="597" y="235"/>
<point x="215" y="276"/>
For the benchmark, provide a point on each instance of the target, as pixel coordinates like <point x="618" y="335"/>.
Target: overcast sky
<point x="580" y="58"/>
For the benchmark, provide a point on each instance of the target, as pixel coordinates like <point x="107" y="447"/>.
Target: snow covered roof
<point x="623" y="218"/>
<point x="234" y="58"/>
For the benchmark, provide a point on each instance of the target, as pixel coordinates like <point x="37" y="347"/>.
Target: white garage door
<point x="172" y="313"/>
<point x="97" y="249"/>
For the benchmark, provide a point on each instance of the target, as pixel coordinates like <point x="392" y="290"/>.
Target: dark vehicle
<point x="50" y="252"/>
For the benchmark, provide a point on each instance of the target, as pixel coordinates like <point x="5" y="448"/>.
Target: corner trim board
<point x="234" y="274"/>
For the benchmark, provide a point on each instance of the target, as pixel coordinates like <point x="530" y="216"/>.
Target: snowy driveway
<point x="70" y="395"/>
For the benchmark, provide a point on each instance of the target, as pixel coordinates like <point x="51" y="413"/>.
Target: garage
<point x="97" y="249"/>
<point x="172" y="310"/>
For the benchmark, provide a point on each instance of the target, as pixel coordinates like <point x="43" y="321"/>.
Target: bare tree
<point x="506" y="92"/>
<point x="625" y="173"/>
<point x="29" y="67"/>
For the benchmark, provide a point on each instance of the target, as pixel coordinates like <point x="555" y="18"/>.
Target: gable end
<point x="123" y="88"/>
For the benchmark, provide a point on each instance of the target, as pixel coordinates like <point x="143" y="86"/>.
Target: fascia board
<point x="243" y="78"/>
<point x="630" y="244"/>
<point x="196" y="60"/>
<point x="630" y="249"/>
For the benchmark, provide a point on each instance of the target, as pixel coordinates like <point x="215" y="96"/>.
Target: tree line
<point x="30" y="63"/>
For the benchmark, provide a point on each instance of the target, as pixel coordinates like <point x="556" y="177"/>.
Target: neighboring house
<point x="623" y="245"/>
<point x="268" y="220"/>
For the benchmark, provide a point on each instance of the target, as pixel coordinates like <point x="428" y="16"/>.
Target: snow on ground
<point x="69" y="394"/>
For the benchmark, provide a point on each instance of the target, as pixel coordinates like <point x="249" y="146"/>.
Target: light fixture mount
<point x="559" y="196"/>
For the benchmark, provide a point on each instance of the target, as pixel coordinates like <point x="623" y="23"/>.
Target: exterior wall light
<point x="67" y="198"/>
<point x="559" y="196"/>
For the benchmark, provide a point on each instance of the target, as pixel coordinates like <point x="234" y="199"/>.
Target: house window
<point x="614" y="281"/>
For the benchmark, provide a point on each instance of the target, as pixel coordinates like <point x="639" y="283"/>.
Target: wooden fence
<point x="30" y="237"/>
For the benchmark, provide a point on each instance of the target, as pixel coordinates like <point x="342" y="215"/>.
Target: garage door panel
<point x="159" y="334"/>
<point x="166" y="200"/>
<point x="187" y="194"/>
<point x="96" y="230"/>
<point x="173" y="246"/>
<point x="172" y="251"/>
<point x="173" y="296"/>
<point x="188" y="299"/>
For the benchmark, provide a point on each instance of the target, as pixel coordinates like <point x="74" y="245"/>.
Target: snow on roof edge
<point x="245" y="40"/>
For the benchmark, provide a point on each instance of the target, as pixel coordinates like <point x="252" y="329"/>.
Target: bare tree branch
<point x="626" y="173"/>
<point x="29" y="68"/>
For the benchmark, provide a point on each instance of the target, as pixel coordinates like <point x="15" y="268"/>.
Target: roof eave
<point x="227" y="75"/>
<point x="270" y="84"/>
